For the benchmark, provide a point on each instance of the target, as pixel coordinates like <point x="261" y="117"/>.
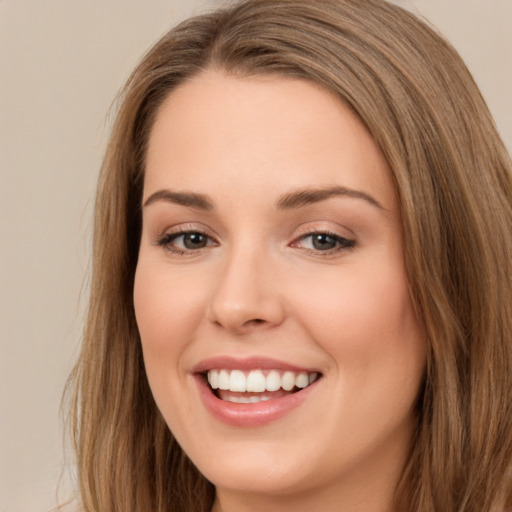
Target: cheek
<point x="167" y="310"/>
<point x="363" y="319"/>
<point x="366" y="323"/>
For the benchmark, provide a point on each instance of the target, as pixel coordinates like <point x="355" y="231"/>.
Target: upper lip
<point x="247" y="364"/>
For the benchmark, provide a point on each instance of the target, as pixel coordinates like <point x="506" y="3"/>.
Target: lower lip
<point x="251" y="415"/>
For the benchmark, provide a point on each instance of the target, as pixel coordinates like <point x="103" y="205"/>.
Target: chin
<point x="258" y="477"/>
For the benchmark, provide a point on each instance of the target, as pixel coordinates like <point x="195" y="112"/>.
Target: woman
<point x="301" y="273"/>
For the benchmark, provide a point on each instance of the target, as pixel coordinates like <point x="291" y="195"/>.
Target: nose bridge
<point x="246" y="294"/>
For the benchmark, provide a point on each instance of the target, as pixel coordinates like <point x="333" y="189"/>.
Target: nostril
<point x="255" y="321"/>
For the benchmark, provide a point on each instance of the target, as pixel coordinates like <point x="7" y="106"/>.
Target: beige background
<point x="62" y="62"/>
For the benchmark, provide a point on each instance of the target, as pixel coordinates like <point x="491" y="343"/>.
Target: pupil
<point x="194" y="241"/>
<point x="323" y="242"/>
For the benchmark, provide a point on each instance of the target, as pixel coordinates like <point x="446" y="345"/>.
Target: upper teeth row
<point x="256" y="381"/>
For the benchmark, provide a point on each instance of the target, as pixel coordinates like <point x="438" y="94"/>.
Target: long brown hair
<point x="454" y="181"/>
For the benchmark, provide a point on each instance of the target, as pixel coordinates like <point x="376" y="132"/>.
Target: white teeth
<point x="302" y="380"/>
<point x="213" y="380"/>
<point x="288" y="381"/>
<point x="237" y="381"/>
<point x="247" y="400"/>
<point x="256" y="381"/>
<point x="273" y="381"/>
<point x="223" y="379"/>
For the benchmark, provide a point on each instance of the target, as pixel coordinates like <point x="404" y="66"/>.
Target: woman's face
<point x="272" y="261"/>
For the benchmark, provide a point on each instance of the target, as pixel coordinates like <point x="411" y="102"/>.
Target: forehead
<point x="218" y="130"/>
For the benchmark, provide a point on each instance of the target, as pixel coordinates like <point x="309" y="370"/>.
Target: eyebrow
<point x="289" y="201"/>
<point x="309" y="196"/>
<point x="190" y="199"/>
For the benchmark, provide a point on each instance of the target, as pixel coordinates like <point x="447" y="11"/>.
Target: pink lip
<point x="247" y="364"/>
<point x="248" y="415"/>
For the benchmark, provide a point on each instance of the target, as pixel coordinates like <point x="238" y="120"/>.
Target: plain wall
<point x="62" y="63"/>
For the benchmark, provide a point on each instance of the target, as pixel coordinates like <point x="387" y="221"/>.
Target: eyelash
<point x="342" y="243"/>
<point x="166" y="242"/>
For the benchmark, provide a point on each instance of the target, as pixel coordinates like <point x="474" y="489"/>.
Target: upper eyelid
<point x="303" y="230"/>
<point x="324" y="232"/>
<point x="183" y="228"/>
<point x="340" y="231"/>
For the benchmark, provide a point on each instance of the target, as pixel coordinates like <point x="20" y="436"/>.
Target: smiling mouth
<point x="255" y="386"/>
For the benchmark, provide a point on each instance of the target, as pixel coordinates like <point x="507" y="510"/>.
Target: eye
<point x="323" y="242"/>
<point x="186" y="241"/>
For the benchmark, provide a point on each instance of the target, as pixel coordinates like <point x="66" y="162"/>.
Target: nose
<point x="247" y="296"/>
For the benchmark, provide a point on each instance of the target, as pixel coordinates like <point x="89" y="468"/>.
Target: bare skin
<point x="271" y="229"/>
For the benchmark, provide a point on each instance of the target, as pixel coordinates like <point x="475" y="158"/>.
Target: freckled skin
<point x="260" y="287"/>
